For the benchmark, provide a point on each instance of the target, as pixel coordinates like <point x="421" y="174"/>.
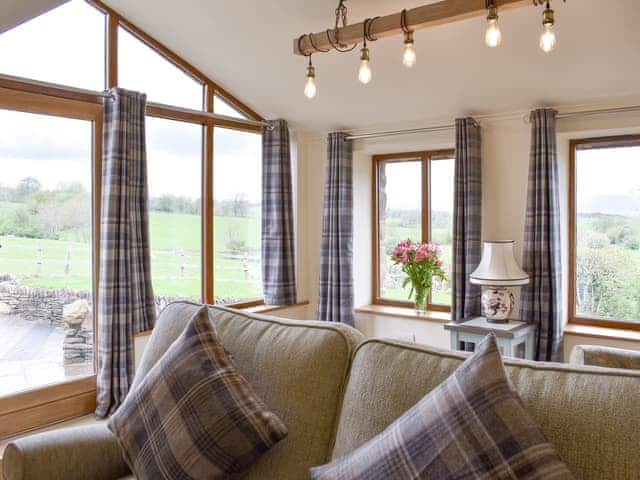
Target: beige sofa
<point x="335" y="391"/>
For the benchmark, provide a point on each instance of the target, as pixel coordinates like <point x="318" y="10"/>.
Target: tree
<point x="604" y="285"/>
<point x="27" y="187"/>
<point x="240" y="205"/>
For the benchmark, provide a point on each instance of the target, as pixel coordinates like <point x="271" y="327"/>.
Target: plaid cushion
<point x="194" y="416"/>
<point x="473" y="425"/>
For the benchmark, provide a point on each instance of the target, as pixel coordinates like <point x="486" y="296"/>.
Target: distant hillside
<point x="627" y="205"/>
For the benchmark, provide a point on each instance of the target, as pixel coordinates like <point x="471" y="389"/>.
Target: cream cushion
<point x="591" y="415"/>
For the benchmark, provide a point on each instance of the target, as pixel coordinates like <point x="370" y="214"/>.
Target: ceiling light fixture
<point x="345" y="38"/>
<point x="364" y="72"/>
<point x="493" y="35"/>
<point x="310" y="88"/>
<point x="409" y="56"/>
<point x="548" y="38"/>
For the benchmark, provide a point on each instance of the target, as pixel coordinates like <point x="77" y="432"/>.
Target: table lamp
<point x="498" y="270"/>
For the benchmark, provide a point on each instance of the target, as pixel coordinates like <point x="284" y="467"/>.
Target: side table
<point x="515" y="339"/>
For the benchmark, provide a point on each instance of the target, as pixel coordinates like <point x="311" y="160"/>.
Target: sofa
<point x="600" y="356"/>
<point x="335" y="390"/>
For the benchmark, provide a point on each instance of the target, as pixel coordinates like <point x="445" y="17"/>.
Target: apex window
<point x="413" y="199"/>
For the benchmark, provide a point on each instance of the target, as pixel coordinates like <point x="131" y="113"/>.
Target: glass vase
<point x="421" y="298"/>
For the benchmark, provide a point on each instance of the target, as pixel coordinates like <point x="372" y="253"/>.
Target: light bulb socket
<point x="311" y="71"/>
<point x="548" y="17"/>
<point x="493" y="13"/>
<point x="365" y="54"/>
<point x="408" y="38"/>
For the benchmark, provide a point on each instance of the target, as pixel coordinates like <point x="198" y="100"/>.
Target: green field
<point x="397" y="227"/>
<point x="175" y="257"/>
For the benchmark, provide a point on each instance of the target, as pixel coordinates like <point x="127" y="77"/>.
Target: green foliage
<point x="169" y="203"/>
<point x="608" y="267"/>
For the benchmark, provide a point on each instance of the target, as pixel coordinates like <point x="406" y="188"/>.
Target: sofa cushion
<point x="193" y="415"/>
<point x="298" y="368"/>
<point x="591" y="415"/>
<point x="472" y="425"/>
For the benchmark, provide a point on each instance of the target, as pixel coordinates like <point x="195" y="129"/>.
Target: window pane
<point x="400" y="204"/>
<point x="142" y="69"/>
<point x="65" y="45"/>
<point x="174" y="156"/>
<point x="46" y="320"/>
<point x="238" y="215"/>
<point x="441" y="190"/>
<point x="608" y="233"/>
<point x="223" y="108"/>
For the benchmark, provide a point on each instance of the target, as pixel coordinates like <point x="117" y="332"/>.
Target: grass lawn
<point x="175" y="258"/>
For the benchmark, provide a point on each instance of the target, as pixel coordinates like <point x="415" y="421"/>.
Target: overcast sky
<point x="57" y="150"/>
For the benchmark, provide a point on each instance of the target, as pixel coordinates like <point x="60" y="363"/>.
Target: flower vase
<point x="421" y="297"/>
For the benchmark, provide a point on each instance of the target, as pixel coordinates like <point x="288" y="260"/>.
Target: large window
<point x="174" y="157"/>
<point x="238" y="213"/>
<point x="50" y="185"/>
<point x="413" y="200"/>
<point x="46" y="320"/>
<point x="605" y="231"/>
<point x="49" y="161"/>
<point x="65" y="45"/>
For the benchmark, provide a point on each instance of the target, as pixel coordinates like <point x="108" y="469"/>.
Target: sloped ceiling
<point x="15" y="12"/>
<point x="246" y="45"/>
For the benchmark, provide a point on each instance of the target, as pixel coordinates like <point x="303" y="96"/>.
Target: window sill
<point x="271" y="308"/>
<point x="403" y="312"/>
<point x="602" y="332"/>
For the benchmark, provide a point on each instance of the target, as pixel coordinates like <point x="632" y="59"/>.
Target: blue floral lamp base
<point x="498" y="304"/>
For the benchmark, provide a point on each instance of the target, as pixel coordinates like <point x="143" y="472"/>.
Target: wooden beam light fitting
<point x="446" y="11"/>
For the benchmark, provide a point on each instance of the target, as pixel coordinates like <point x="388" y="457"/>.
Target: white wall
<point x="505" y="152"/>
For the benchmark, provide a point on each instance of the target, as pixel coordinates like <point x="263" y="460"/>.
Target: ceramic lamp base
<point x="498" y="304"/>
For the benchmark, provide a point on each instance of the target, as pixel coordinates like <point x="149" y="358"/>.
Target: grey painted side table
<point x="515" y="339"/>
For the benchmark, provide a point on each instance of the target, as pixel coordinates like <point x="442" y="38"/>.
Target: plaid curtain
<point x="278" y="255"/>
<point x="335" y="296"/>
<point x="467" y="219"/>
<point x="126" y="303"/>
<point x="540" y="301"/>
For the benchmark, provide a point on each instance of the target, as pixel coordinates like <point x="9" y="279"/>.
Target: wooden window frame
<point x="36" y="408"/>
<point x="74" y="397"/>
<point x="425" y="158"/>
<point x="574" y="146"/>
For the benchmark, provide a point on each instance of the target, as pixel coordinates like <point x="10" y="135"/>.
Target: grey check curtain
<point x="467" y="219"/>
<point x="126" y="305"/>
<point x="278" y="254"/>
<point x="335" y="296"/>
<point x="540" y="301"/>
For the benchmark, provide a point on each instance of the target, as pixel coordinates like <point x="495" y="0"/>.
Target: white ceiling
<point x="14" y="12"/>
<point x="246" y="45"/>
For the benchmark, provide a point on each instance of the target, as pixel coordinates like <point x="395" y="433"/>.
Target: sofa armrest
<point x="79" y="453"/>
<point x="605" y="357"/>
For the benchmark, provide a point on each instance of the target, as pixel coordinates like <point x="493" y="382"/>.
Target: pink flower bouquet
<point x="421" y="262"/>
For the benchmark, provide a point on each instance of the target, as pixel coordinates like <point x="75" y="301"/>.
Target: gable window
<point x="222" y="107"/>
<point x="604" y="250"/>
<point x="413" y="198"/>
<point x="205" y="238"/>
<point x="143" y="69"/>
<point x="65" y="45"/>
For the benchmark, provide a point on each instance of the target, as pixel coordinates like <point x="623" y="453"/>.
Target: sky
<point x="57" y="150"/>
<point x="608" y="180"/>
<point x="403" y="185"/>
